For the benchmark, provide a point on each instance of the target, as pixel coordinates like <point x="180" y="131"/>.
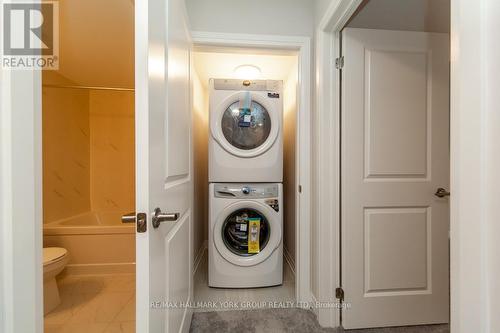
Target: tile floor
<point x="94" y="304"/>
<point x="239" y="299"/>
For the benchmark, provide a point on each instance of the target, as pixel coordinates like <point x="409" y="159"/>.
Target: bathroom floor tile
<point x="51" y="328"/>
<point x="83" y="328"/>
<point x="91" y="284"/>
<point x="102" y="309"/>
<point x="121" y="327"/>
<point x="71" y="303"/>
<point x="119" y="283"/>
<point x="68" y="284"/>
<point x="127" y="313"/>
<point x="94" y="304"/>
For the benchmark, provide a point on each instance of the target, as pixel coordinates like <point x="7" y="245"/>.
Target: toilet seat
<point x="53" y="254"/>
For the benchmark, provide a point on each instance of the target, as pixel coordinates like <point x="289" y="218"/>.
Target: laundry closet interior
<point x="244" y="110"/>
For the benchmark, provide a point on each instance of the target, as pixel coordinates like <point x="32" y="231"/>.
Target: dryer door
<point x="233" y="229"/>
<point x="246" y="124"/>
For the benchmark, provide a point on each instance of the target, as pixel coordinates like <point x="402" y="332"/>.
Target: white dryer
<point x="233" y="260"/>
<point x="246" y="136"/>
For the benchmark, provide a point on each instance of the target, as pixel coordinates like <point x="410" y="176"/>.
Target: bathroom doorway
<point x="89" y="171"/>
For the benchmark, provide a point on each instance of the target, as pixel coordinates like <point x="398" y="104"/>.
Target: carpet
<point x="283" y="320"/>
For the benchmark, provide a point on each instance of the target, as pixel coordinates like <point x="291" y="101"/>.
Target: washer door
<point x="245" y="137"/>
<point x="231" y="232"/>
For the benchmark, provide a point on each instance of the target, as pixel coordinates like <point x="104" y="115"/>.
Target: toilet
<point x="54" y="261"/>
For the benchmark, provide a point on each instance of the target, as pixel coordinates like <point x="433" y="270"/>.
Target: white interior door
<point x="395" y="155"/>
<point x="163" y="166"/>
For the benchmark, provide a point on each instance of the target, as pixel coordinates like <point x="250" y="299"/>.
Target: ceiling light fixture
<point x="247" y="72"/>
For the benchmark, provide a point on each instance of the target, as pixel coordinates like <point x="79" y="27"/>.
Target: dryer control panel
<point x="248" y="191"/>
<point x="274" y="86"/>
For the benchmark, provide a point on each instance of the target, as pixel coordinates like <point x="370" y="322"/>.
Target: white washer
<point x="246" y="137"/>
<point x="229" y="263"/>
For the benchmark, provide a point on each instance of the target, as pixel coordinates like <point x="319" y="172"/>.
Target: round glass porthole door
<point x="240" y="229"/>
<point x="246" y="128"/>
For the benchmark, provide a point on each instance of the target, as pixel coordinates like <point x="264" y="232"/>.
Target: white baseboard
<point x="90" y="269"/>
<point x="199" y="256"/>
<point x="289" y="260"/>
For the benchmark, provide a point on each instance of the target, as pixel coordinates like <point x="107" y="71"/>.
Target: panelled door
<point x="163" y="167"/>
<point x="395" y="157"/>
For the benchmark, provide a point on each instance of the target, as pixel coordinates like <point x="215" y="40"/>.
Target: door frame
<point x="471" y="157"/>
<point x="21" y="263"/>
<point x="327" y="169"/>
<point x="328" y="156"/>
<point x="302" y="45"/>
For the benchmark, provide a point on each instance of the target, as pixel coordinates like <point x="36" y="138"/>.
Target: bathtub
<point x="97" y="242"/>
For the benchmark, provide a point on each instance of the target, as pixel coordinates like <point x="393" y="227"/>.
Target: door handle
<point x="128" y="218"/>
<point x="226" y="193"/>
<point x="160" y="217"/>
<point x="141" y="220"/>
<point x="441" y="193"/>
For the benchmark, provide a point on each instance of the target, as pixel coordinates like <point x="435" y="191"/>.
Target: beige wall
<point x="289" y="139"/>
<point x="88" y="150"/>
<point x="112" y="150"/>
<point x="66" y="153"/>
<point x="200" y="147"/>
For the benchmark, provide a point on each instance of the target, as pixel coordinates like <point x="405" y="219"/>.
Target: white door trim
<point x="21" y="267"/>
<point x="475" y="128"/>
<point x="303" y="176"/>
<point x="141" y="72"/>
<point x="327" y="147"/>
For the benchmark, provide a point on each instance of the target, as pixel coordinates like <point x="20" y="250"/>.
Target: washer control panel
<point x="249" y="191"/>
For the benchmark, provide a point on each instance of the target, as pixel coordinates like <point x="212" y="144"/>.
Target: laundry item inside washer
<point x="253" y="235"/>
<point x="245" y="232"/>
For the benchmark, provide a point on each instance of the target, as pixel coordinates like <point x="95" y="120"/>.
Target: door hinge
<point x="339" y="294"/>
<point x="339" y="62"/>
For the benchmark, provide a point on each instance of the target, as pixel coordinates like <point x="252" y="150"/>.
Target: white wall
<point x="276" y="17"/>
<point x="320" y="9"/>
<point x="411" y="15"/>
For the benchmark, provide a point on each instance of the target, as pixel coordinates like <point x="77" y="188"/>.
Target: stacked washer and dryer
<point x="245" y="235"/>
